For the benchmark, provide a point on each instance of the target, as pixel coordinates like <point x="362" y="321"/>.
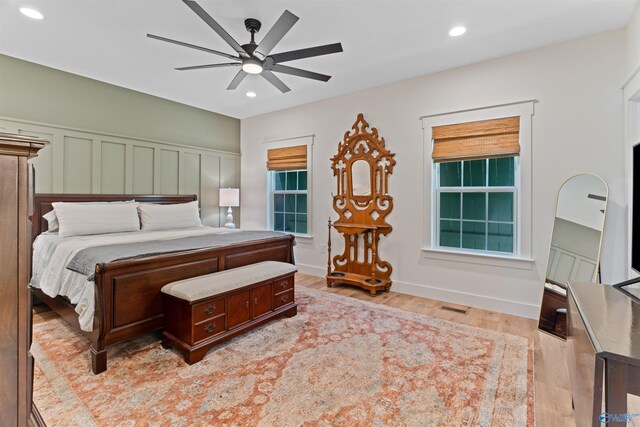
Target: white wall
<point x="633" y="42"/>
<point x="577" y="128"/>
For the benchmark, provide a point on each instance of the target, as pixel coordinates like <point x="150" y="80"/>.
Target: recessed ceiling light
<point x="251" y="94"/>
<point x="457" y="31"/>
<point x="31" y="13"/>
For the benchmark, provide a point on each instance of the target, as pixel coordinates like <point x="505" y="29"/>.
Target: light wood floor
<point x="551" y="378"/>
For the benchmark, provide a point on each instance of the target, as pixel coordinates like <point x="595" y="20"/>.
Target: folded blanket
<point x="85" y="260"/>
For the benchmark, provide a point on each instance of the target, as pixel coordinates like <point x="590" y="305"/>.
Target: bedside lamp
<point x="229" y="197"/>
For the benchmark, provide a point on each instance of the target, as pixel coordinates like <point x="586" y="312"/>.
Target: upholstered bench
<point x="204" y="311"/>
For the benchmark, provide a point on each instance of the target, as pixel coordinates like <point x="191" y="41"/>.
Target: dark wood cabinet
<point x="262" y="300"/>
<point x="239" y="308"/>
<point x="16" y="195"/>
<point x="195" y="327"/>
<point x="603" y="350"/>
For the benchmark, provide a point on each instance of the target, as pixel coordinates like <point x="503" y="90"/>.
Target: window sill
<point x="303" y="238"/>
<point x="507" y="261"/>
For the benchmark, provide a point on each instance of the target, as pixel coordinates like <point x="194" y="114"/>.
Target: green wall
<point x="37" y="93"/>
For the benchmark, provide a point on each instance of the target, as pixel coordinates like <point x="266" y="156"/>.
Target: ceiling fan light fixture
<point x="31" y="13"/>
<point x="251" y="94"/>
<point x="252" y="66"/>
<point x="457" y="31"/>
<point x="254" y="58"/>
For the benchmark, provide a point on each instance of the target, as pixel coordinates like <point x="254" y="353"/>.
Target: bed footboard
<point x="128" y="297"/>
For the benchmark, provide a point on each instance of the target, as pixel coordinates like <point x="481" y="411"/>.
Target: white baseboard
<point x="499" y="305"/>
<point x="312" y="270"/>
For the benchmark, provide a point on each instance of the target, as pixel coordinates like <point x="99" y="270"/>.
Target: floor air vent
<point x="457" y="310"/>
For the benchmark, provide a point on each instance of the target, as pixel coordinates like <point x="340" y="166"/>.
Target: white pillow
<point x="79" y="219"/>
<point x="167" y="217"/>
<point x="52" y="220"/>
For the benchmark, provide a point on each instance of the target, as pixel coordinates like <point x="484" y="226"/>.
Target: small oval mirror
<point x="360" y="178"/>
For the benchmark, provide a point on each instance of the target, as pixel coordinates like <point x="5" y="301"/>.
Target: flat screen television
<point x="635" y="210"/>
<point x="631" y="287"/>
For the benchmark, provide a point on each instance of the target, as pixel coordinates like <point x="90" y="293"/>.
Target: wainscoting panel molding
<point x="81" y="161"/>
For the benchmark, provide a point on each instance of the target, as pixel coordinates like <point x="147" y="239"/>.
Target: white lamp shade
<point x="229" y="197"/>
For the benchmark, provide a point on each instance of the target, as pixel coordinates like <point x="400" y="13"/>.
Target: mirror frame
<point x="597" y="269"/>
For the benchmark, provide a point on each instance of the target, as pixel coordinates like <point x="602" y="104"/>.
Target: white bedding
<point x="52" y="253"/>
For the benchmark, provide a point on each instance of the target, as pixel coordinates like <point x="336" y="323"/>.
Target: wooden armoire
<point x="16" y="204"/>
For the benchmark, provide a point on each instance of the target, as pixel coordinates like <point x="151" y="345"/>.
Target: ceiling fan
<point x="255" y="58"/>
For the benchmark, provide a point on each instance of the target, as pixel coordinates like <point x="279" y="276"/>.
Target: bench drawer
<point x="281" y="285"/>
<point x="207" y="310"/>
<point x="208" y="328"/>
<point x="283" y="298"/>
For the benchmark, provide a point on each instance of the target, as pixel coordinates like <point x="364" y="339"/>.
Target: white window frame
<point x="523" y="242"/>
<point x="515" y="189"/>
<point x="292" y="142"/>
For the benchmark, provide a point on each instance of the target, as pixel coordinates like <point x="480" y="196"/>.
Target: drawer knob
<point x="210" y="327"/>
<point x="210" y="308"/>
<point x="283" y="285"/>
<point x="285" y="298"/>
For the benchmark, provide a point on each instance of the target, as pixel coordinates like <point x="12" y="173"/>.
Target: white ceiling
<point x="384" y="41"/>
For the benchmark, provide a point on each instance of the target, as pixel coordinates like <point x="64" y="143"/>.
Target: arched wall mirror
<point x="575" y="246"/>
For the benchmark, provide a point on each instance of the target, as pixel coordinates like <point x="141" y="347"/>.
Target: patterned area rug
<point x="340" y="361"/>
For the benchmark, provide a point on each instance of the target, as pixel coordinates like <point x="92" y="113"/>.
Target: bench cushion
<point x="199" y="287"/>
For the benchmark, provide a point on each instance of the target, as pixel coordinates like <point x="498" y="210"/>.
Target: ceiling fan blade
<point x="271" y="78"/>
<point x="307" y="53"/>
<point x="237" y="79"/>
<point x="300" y="73"/>
<point x="275" y="34"/>
<point x="192" y="46"/>
<point x="200" y="67"/>
<point x="216" y="27"/>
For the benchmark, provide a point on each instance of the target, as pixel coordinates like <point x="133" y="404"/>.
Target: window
<point x="477" y="197"/>
<point x="475" y="204"/>
<point x="288" y="186"/>
<point x="475" y="184"/>
<point x="289" y="200"/>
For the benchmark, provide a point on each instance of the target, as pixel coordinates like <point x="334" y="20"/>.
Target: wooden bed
<point x="128" y="298"/>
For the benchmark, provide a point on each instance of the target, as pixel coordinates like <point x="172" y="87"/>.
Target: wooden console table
<point x="603" y="351"/>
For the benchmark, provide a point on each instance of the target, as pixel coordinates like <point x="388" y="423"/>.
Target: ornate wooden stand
<point x="362" y="204"/>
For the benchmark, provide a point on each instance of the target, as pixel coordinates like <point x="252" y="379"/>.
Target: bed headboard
<point x="42" y="203"/>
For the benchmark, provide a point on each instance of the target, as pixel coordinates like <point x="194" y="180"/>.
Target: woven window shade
<point x="287" y="158"/>
<point x="477" y="140"/>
